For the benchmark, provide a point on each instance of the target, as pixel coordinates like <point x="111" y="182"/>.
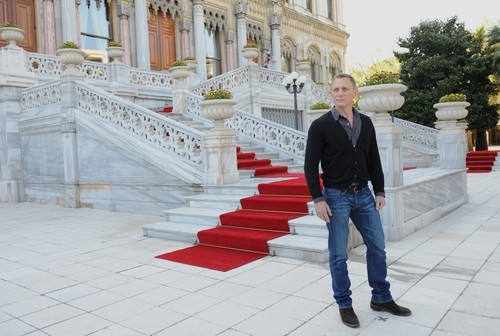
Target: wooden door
<point x="161" y="41"/>
<point x="22" y="13"/>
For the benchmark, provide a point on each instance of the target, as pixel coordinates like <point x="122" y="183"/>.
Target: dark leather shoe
<point x="349" y="317"/>
<point x="391" y="307"/>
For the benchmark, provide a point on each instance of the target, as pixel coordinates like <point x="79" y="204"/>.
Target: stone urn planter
<point x="218" y="110"/>
<point x="72" y="58"/>
<point x="12" y="35"/>
<point x="115" y="54"/>
<point x="381" y="98"/>
<point x="449" y="112"/>
<point x="250" y="54"/>
<point x="179" y="72"/>
<point x="192" y="64"/>
<point x="303" y="65"/>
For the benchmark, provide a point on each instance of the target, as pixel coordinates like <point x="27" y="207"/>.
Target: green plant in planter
<point x="189" y="58"/>
<point x="250" y="45"/>
<point x="303" y="60"/>
<point x="382" y="77"/>
<point x="218" y="94"/>
<point x="321" y="105"/>
<point x="10" y="24"/>
<point x="178" y="64"/>
<point x="114" y="44"/>
<point x="69" y="45"/>
<point x="453" y="97"/>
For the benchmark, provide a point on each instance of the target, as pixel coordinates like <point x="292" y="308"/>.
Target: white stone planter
<point x="115" y="54"/>
<point x="381" y="98"/>
<point x="250" y="54"/>
<point x="192" y="64"/>
<point x="312" y="115"/>
<point x="12" y="35"/>
<point x="303" y="66"/>
<point x="451" y="110"/>
<point x="71" y="58"/>
<point x="179" y="72"/>
<point x="448" y="113"/>
<point x="218" y="110"/>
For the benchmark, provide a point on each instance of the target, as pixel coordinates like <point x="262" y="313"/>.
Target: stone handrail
<point x="150" y="78"/>
<point x="50" y="67"/>
<point x="41" y="95"/>
<point x="228" y="81"/>
<point x="170" y="135"/>
<point x="418" y="134"/>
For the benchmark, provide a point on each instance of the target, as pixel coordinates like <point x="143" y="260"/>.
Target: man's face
<point x="343" y="92"/>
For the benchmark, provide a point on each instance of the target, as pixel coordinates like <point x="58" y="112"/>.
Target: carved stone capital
<point x="241" y="8"/>
<point x="275" y="21"/>
<point x="123" y="11"/>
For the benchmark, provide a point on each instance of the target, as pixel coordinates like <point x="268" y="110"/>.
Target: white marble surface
<point x="86" y="271"/>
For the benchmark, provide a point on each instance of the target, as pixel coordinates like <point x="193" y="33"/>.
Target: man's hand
<point x="323" y="211"/>
<point x="379" y="202"/>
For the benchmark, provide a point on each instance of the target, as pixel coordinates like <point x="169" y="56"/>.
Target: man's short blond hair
<point x="343" y="75"/>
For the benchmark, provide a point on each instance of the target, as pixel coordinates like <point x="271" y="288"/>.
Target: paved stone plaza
<point x="91" y="272"/>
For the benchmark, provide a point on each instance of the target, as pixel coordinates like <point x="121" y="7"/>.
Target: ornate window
<point x="307" y="4"/>
<point x="329" y="9"/>
<point x="95" y="24"/>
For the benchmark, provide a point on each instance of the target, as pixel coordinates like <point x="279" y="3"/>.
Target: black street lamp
<point x="294" y="84"/>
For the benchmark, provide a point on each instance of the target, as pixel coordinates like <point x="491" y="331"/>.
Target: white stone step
<point x="204" y="216"/>
<point x="224" y="201"/>
<point x="174" y="231"/>
<point x="267" y="155"/>
<point x="309" y="225"/>
<point x="314" y="249"/>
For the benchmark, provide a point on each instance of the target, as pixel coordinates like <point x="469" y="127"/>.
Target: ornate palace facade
<point x="155" y="33"/>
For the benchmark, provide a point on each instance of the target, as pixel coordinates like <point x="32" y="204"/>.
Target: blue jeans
<point x="361" y="209"/>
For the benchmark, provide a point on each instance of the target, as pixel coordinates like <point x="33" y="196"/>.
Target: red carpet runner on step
<point x="481" y="161"/>
<point x="243" y="234"/>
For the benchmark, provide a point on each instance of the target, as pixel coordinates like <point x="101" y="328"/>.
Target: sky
<point x="375" y="25"/>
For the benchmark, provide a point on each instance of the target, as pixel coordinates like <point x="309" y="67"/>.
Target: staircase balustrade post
<point x="180" y="88"/>
<point x="254" y="90"/>
<point x="119" y="80"/>
<point x="14" y="76"/>
<point x="68" y="138"/>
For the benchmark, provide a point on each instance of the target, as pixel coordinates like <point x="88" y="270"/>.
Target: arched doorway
<point x="22" y="13"/>
<point x="161" y="40"/>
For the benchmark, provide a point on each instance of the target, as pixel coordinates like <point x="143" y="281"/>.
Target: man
<point x="269" y="61"/>
<point x="344" y="142"/>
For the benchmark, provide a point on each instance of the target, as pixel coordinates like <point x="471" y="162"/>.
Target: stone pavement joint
<point x="91" y="272"/>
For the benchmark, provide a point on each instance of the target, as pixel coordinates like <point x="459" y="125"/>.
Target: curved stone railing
<point x="41" y="95"/>
<point x="174" y="137"/>
<point x="418" y="134"/>
<point x="150" y="78"/>
<point x="228" y="81"/>
<point x="50" y="67"/>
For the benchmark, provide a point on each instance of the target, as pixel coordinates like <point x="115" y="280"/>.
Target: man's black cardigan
<point x="341" y="162"/>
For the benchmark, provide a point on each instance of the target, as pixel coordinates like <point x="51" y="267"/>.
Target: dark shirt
<point x="342" y="162"/>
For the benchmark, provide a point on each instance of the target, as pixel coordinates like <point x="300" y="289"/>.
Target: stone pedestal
<point x="221" y="166"/>
<point x="452" y="148"/>
<point x="180" y="89"/>
<point x="13" y="68"/>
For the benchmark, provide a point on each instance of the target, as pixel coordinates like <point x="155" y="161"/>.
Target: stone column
<point x="275" y="41"/>
<point x="241" y="10"/>
<point x="185" y="27"/>
<point x="50" y="27"/>
<point x="199" y="39"/>
<point x="141" y="34"/>
<point x="70" y="31"/>
<point x="68" y="137"/>
<point x="124" y="14"/>
<point x="230" y="51"/>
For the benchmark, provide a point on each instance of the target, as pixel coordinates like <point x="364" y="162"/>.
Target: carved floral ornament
<point x="215" y="18"/>
<point x="165" y="6"/>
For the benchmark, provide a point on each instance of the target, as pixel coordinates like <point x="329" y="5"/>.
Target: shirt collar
<point x="336" y="114"/>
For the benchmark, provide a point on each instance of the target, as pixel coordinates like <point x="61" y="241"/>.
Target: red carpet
<point x="243" y="234"/>
<point x="480" y="161"/>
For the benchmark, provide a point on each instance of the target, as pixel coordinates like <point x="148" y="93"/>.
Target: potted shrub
<point x="451" y="107"/>
<point x="115" y="51"/>
<point x="11" y="33"/>
<point x="70" y="54"/>
<point x="250" y="51"/>
<point x="381" y="93"/>
<point x="321" y="105"/>
<point x="218" y="105"/>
